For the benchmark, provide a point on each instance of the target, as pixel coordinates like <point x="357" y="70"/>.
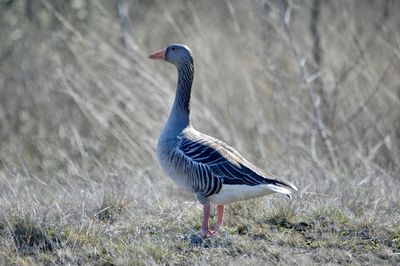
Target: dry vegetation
<point x="308" y="90"/>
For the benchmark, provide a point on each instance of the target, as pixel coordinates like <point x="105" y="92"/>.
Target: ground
<point x="306" y="90"/>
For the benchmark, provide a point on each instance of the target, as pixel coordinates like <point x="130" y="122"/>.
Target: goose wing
<point x="224" y="162"/>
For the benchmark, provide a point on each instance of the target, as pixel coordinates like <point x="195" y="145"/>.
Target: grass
<point x="280" y="237"/>
<point x="80" y="113"/>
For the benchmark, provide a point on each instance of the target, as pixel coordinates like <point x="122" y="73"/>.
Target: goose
<point x="215" y="172"/>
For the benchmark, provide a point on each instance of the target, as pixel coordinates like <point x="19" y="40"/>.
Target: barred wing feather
<point x="226" y="163"/>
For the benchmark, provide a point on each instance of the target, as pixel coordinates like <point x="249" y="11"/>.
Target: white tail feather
<point x="232" y="193"/>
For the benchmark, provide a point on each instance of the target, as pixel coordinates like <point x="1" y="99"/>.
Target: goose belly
<point x="175" y="174"/>
<point x="175" y="169"/>
<point x="232" y="193"/>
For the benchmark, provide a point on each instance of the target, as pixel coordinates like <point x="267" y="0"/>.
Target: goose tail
<point x="282" y="186"/>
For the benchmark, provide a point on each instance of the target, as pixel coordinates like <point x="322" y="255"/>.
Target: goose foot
<point x="220" y="216"/>
<point x="207" y="233"/>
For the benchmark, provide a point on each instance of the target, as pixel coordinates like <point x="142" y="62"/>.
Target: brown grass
<point x="310" y="96"/>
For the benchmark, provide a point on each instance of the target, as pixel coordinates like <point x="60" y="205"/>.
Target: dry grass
<point x="80" y="115"/>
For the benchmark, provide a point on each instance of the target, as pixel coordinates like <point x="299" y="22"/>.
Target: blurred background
<point x="308" y="90"/>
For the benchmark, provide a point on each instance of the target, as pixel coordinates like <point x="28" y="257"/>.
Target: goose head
<point x="176" y="54"/>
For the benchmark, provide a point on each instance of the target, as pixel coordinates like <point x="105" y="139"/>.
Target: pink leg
<point x="205" y="231"/>
<point x="220" y="216"/>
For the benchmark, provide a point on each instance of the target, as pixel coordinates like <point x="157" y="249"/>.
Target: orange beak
<point x="158" y="55"/>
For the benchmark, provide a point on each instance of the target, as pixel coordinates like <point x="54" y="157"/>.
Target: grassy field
<point x="307" y="90"/>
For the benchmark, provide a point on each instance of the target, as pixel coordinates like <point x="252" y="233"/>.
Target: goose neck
<point x="181" y="107"/>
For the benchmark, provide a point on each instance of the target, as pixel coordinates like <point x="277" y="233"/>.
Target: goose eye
<point x="173" y="48"/>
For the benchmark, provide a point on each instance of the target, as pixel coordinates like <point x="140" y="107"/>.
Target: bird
<point x="215" y="172"/>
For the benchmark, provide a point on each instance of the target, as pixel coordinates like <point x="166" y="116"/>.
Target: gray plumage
<point x="211" y="169"/>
